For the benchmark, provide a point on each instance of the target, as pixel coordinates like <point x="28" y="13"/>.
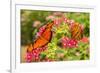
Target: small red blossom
<point x="28" y="56"/>
<point x="70" y="43"/>
<point x="34" y="55"/>
<point x="71" y="22"/>
<point x="64" y="39"/>
<point x="36" y="23"/>
<point x="64" y="19"/>
<point x="50" y="17"/>
<point x="57" y="21"/>
<point x="85" y="39"/>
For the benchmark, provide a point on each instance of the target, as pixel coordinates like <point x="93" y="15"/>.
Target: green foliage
<point x="62" y="30"/>
<point x="79" y="53"/>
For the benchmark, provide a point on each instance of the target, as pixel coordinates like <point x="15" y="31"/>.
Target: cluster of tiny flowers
<point x="28" y="57"/>
<point x="70" y="22"/>
<point x="68" y="43"/>
<point x="35" y="54"/>
<point x="57" y="21"/>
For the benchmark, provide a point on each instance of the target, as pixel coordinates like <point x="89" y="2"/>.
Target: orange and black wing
<point x="40" y="42"/>
<point x="43" y="39"/>
<point x="76" y="31"/>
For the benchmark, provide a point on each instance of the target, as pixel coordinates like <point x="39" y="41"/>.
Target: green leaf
<point x="42" y="55"/>
<point x="59" y="51"/>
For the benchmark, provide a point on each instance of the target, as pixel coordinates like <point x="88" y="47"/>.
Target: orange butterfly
<point x="43" y="39"/>
<point x="76" y="31"/>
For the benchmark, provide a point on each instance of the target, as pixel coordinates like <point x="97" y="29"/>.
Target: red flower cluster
<point x="28" y="57"/>
<point x="70" y="43"/>
<point x="35" y="54"/>
<point x="58" y="21"/>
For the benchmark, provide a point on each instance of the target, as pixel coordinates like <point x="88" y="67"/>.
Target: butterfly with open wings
<point x="42" y="40"/>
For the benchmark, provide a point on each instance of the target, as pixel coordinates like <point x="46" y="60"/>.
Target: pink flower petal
<point x="85" y="39"/>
